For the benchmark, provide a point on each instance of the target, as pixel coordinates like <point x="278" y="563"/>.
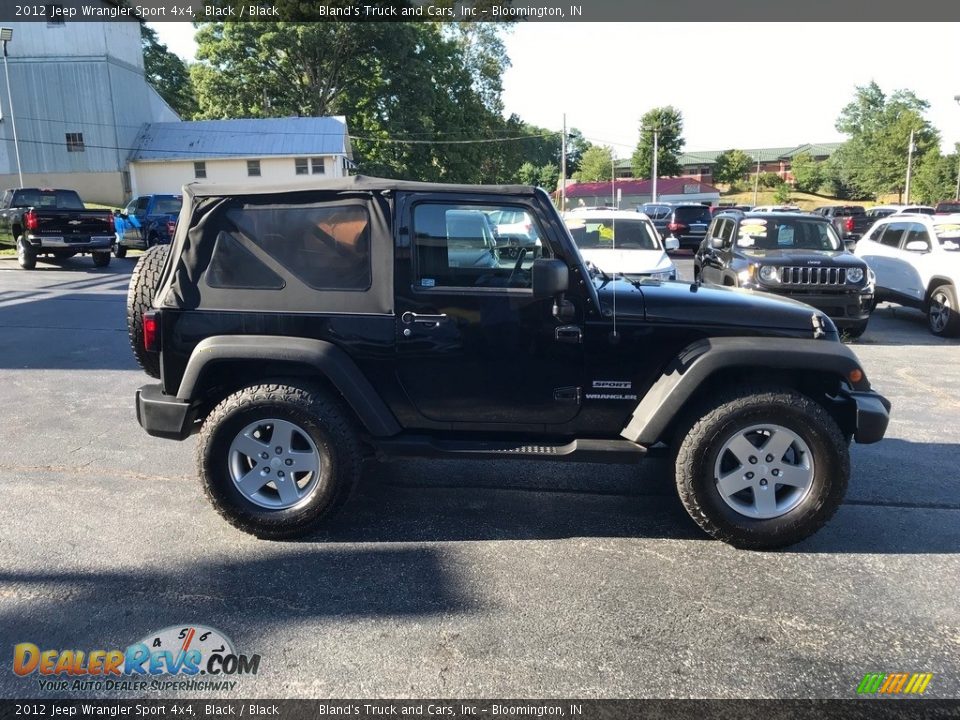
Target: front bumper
<point x="845" y="309"/>
<point x="58" y="242"/>
<point x="164" y="416"/>
<point x="871" y="414"/>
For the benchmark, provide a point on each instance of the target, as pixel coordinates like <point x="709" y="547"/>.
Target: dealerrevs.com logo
<point x="894" y="683"/>
<point x="185" y="651"/>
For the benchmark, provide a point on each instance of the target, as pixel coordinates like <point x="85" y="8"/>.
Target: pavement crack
<point x="903" y="504"/>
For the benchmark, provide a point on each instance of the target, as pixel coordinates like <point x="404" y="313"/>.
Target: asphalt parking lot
<point x="446" y="579"/>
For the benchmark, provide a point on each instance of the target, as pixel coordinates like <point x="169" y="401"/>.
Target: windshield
<point x="606" y="233"/>
<point x="786" y="234"/>
<point x="948" y="234"/>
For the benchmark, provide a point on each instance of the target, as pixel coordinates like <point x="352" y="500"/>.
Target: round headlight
<point x="854" y="275"/>
<point x="769" y="273"/>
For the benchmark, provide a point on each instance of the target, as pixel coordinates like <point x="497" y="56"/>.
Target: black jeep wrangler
<point x="299" y="330"/>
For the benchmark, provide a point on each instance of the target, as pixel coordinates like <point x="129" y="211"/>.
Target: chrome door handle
<point x="409" y="318"/>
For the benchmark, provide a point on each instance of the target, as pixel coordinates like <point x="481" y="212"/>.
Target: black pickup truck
<point x="850" y="221"/>
<point x="55" y="223"/>
<point x="299" y="330"/>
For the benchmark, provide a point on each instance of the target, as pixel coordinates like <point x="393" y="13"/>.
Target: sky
<point x="773" y="84"/>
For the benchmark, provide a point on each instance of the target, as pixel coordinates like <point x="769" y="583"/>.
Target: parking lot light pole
<point x="6" y="35"/>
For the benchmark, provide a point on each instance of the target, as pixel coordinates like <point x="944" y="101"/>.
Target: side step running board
<point x="584" y="450"/>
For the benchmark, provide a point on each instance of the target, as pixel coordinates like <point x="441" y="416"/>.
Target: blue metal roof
<point x="248" y="137"/>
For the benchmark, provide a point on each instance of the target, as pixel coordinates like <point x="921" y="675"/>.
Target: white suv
<point x="916" y="259"/>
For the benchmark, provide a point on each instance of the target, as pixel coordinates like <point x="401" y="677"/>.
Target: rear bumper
<point x="872" y="415"/>
<point x="57" y="242"/>
<point x="162" y="415"/>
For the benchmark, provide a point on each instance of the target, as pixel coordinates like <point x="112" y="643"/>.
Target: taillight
<point x="30" y="220"/>
<point x="171" y="228"/>
<point x="675" y="226"/>
<point x="151" y="334"/>
<point x="109" y="220"/>
<point x="849" y="224"/>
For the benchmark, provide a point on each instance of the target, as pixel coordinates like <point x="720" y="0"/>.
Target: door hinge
<point x="567" y="393"/>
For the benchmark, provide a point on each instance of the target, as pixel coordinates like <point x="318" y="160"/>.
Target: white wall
<point x="148" y="177"/>
<point x="73" y="40"/>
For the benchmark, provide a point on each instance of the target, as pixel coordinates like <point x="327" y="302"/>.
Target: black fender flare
<point x="326" y="358"/>
<point x="682" y="377"/>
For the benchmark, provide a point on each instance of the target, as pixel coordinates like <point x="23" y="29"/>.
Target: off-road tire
<point x="328" y="425"/>
<point x="101" y="259"/>
<point x="717" y="421"/>
<point x="119" y="251"/>
<point x="26" y="255"/>
<point x="143" y="285"/>
<point x="952" y="328"/>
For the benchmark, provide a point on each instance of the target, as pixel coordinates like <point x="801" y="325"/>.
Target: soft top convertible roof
<point x="346" y="184"/>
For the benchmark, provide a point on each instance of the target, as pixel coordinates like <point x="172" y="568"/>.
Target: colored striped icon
<point x="894" y="683"/>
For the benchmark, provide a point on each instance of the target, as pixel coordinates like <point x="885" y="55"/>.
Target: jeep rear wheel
<point x="763" y="468"/>
<point x="277" y="461"/>
<point x="143" y="285"/>
<point x="101" y="259"/>
<point x="119" y="251"/>
<point x="943" y="313"/>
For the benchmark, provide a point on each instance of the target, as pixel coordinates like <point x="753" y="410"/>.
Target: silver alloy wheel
<point x="764" y="471"/>
<point x="274" y="464"/>
<point x="939" y="312"/>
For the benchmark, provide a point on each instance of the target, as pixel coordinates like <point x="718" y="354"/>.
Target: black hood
<point x="800" y="257"/>
<point x="690" y="304"/>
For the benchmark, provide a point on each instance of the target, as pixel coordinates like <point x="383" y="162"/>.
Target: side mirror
<point x="849" y="245"/>
<point x="917" y="246"/>
<point x="671" y="243"/>
<point x="550" y="277"/>
<point x="716" y="243"/>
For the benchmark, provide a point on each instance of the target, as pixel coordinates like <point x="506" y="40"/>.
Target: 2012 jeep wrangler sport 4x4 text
<point x="299" y="330"/>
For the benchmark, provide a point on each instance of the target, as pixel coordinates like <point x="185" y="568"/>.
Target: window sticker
<point x="950" y="230"/>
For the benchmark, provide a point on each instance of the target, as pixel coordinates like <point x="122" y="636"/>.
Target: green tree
<point x="782" y="194"/>
<point x="528" y="174"/>
<point x="936" y="178"/>
<point x="807" y="175"/>
<point x="874" y="160"/>
<point x="770" y="180"/>
<point x="577" y="145"/>
<point x="668" y="121"/>
<point x="411" y="92"/>
<point x="168" y="74"/>
<point x="731" y="165"/>
<point x="596" y="164"/>
<point x="549" y="177"/>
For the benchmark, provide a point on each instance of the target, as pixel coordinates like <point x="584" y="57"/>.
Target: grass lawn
<point x="805" y="201"/>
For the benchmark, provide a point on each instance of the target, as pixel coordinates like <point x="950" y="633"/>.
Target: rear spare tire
<point x="143" y="285"/>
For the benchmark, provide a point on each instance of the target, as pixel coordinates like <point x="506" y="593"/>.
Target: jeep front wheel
<point x="277" y="461"/>
<point x="763" y="469"/>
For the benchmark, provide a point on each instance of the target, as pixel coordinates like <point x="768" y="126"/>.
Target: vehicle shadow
<point x="897" y="325"/>
<point x="889" y="509"/>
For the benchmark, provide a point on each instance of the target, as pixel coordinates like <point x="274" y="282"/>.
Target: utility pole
<point x="910" y="150"/>
<point x="756" y="181"/>
<point x="6" y="35"/>
<point x="563" y="167"/>
<point x="613" y="179"/>
<point x="655" y="170"/>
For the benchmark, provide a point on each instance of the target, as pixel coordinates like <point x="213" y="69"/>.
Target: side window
<point x="474" y="246"/>
<point x="131" y="208"/>
<point x="917" y="232"/>
<point x="726" y="233"/>
<point x="141" y="208"/>
<point x="327" y="247"/>
<point x="894" y="234"/>
<point x="875" y="233"/>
